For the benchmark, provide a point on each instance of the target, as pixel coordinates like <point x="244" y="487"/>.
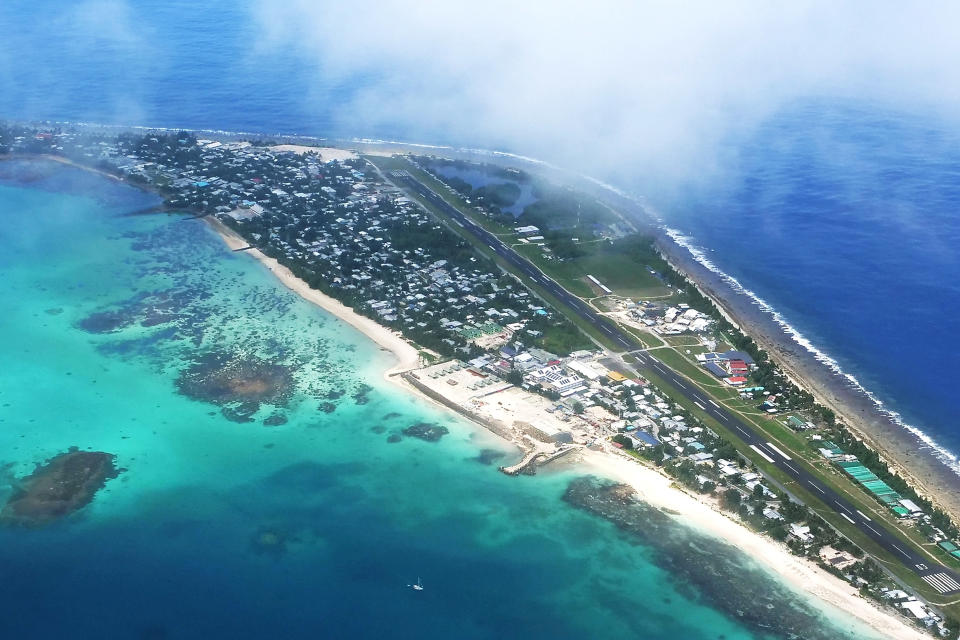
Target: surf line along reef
<point x="349" y="204"/>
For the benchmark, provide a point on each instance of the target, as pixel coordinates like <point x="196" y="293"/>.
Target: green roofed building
<point x="869" y="480"/>
<point x="947" y="546"/>
<point x="486" y="329"/>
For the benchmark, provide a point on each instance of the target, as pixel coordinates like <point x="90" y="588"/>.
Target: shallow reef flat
<point x="59" y="487"/>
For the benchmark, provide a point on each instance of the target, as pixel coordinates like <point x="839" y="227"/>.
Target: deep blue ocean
<point x="844" y="218"/>
<point x="841" y="216"/>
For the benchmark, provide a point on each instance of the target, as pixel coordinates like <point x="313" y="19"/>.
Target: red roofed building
<point x="738" y="366"/>
<point x="735" y="380"/>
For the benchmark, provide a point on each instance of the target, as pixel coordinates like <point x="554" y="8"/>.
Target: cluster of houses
<point x="349" y="233"/>
<point x="644" y="418"/>
<point x="336" y="225"/>
<point x="915" y="609"/>
<point x="733" y="367"/>
<point x="666" y="320"/>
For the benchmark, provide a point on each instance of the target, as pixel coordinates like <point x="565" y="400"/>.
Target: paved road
<point x="613" y="333"/>
<point x="940" y="578"/>
<point x="944" y="580"/>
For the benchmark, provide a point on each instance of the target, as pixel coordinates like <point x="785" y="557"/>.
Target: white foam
<point x="943" y="454"/>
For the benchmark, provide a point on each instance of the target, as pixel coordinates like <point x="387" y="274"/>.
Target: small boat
<point x="418" y="586"/>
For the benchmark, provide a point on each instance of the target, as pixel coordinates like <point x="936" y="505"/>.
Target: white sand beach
<point x="803" y="575"/>
<point x="406" y="354"/>
<point x="654" y="488"/>
<point x="327" y="154"/>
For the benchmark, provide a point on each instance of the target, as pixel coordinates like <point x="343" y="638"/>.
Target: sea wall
<point x="495" y="426"/>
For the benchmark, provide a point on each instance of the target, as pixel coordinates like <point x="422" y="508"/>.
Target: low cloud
<point x="616" y="88"/>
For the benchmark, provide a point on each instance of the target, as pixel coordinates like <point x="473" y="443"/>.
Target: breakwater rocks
<point x="709" y="568"/>
<point x="64" y="484"/>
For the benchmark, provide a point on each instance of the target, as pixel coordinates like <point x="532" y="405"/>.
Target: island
<point x="549" y="316"/>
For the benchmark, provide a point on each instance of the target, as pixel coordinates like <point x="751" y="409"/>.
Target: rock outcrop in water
<point x="275" y="419"/>
<point x="239" y="384"/>
<point x="327" y="407"/>
<point x="270" y="542"/>
<point x="104" y="322"/>
<point x="426" y="431"/>
<point x="713" y="570"/>
<point x="59" y="487"/>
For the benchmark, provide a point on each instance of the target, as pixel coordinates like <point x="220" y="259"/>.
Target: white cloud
<point x="648" y="87"/>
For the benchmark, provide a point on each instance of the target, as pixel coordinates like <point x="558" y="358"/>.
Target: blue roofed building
<point x="736" y="355"/>
<point x="648" y="439"/>
<point x="715" y="369"/>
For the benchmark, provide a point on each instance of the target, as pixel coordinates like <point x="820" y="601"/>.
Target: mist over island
<point x="619" y="320"/>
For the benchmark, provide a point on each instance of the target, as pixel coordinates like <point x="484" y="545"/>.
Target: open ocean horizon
<point x="841" y="216"/>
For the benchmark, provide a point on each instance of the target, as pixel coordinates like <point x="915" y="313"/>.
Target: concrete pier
<point x="539" y="455"/>
<point x="527" y="460"/>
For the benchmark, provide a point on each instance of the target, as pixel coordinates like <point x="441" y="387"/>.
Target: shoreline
<point x="904" y="452"/>
<point x="406" y="355"/>
<point x="802" y="574"/>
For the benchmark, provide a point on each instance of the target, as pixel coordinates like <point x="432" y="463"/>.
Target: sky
<point x="657" y="86"/>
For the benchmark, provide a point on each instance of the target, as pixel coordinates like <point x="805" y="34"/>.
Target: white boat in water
<point x="418" y="586"/>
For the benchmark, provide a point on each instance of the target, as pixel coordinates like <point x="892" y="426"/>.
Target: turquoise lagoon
<point x="313" y="528"/>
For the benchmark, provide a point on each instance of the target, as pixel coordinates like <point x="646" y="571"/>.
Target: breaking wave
<point x="943" y="454"/>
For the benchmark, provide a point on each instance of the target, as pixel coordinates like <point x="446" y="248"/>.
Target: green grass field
<point x="624" y="276"/>
<point x="554" y="339"/>
<point x="618" y="272"/>
<point x="629" y="278"/>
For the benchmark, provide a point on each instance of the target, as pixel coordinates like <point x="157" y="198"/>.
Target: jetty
<point x="539" y="455"/>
